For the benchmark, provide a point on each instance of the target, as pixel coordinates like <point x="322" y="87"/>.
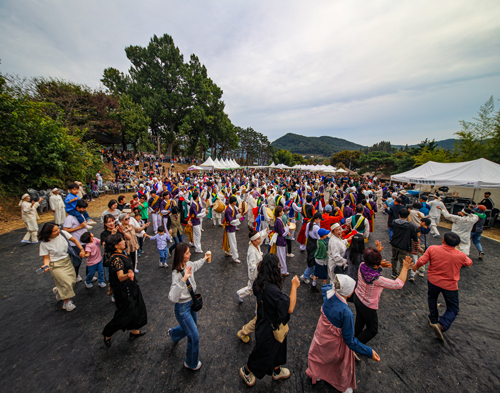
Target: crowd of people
<point x="331" y="219"/>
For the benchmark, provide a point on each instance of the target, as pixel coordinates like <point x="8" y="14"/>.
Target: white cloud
<point x="366" y="71"/>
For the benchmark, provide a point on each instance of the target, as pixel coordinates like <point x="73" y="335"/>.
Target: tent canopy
<point x="208" y="163"/>
<point x="479" y="173"/>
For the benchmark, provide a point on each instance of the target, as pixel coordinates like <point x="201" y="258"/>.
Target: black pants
<point x="289" y="245"/>
<point x="77" y="268"/>
<point x="365" y="316"/>
<point x="141" y="242"/>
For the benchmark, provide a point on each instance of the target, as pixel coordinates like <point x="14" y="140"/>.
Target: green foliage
<point x="283" y="157"/>
<point x="324" y="146"/>
<point x="384" y="146"/>
<point x="480" y="138"/>
<point x="378" y="162"/>
<point x="36" y="150"/>
<point x="254" y="147"/>
<point x="135" y="123"/>
<point x="437" y="155"/>
<point x="351" y="158"/>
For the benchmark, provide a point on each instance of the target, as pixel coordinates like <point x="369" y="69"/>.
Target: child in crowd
<point x="94" y="259"/>
<point x="425" y="228"/>
<point x="161" y="243"/>
<point x="320" y="258"/>
<point x="416" y="250"/>
<point x="70" y="201"/>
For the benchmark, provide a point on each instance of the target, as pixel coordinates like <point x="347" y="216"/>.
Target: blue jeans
<point x="78" y="215"/>
<point x="451" y="300"/>
<point x="91" y="271"/>
<point x="309" y="272"/>
<point x="390" y="233"/>
<point x="188" y="320"/>
<point x="177" y="239"/>
<point x="476" y="240"/>
<point x="163" y="255"/>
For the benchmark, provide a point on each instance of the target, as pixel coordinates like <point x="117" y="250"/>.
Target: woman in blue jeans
<point x="182" y="270"/>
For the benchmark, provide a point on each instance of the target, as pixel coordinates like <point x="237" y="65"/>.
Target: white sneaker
<point x="236" y="260"/>
<point x="91" y="222"/>
<point x="349" y="390"/>
<point x="165" y="264"/>
<point x="68" y="306"/>
<point x="35" y="242"/>
<point x="102" y="284"/>
<point x="194" y="369"/>
<point x="78" y="278"/>
<point x="88" y="285"/>
<point x="112" y="298"/>
<point x="136" y="271"/>
<point x="290" y="255"/>
<point x="88" y="227"/>
<point x="161" y="264"/>
<point x="56" y="292"/>
<point x="94" y="279"/>
<point x="239" y="297"/>
<point x="25" y="241"/>
<point x="306" y="280"/>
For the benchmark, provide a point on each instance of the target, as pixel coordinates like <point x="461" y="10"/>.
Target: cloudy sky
<point x="361" y="70"/>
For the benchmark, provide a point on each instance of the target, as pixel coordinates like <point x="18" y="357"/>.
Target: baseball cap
<point x="322" y="232"/>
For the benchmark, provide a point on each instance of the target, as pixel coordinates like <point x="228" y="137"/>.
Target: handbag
<point x="75" y="258"/>
<point x="197" y="299"/>
<point x="279" y="333"/>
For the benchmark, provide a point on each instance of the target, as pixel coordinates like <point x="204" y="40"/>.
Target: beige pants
<point x="64" y="276"/>
<point x="32" y="234"/>
<point x="249" y="328"/>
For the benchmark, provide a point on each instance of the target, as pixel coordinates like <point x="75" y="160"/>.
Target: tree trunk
<point x="170" y="149"/>
<point x="158" y="144"/>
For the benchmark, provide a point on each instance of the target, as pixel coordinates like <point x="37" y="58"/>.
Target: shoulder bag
<point x="75" y="258"/>
<point x="197" y="299"/>
<point x="281" y="331"/>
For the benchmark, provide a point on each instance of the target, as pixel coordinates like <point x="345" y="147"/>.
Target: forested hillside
<point x="324" y="146"/>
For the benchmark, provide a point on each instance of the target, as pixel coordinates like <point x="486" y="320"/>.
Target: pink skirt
<point x="330" y="359"/>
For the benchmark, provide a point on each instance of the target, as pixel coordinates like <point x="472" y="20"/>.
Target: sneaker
<point x="435" y="235"/>
<point x="56" y="292"/>
<point x="290" y="255"/>
<point x="412" y="278"/>
<point x="165" y="264"/>
<point x="481" y="255"/>
<point x="236" y="260"/>
<point x="25" y="241"/>
<point x="91" y="222"/>
<point x="227" y="255"/>
<point x="283" y="374"/>
<point x="314" y="288"/>
<point x="94" y="279"/>
<point x="102" y="284"/>
<point x="78" y="278"/>
<point x="112" y="298"/>
<point x="68" y="306"/>
<point x="348" y="390"/>
<point x="239" y="297"/>
<point x="136" y="271"/>
<point x="35" y="242"/>
<point x="306" y="280"/>
<point x="242" y="337"/>
<point x="194" y="369"/>
<point x="88" y="285"/>
<point x="248" y="378"/>
<point x="421" y="274"/>
<point x="285" y="274"/>
<point x="161" y="264"/>
<point x="88" y="227"/>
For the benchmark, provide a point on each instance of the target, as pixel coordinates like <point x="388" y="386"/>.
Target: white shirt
<point x="72" y="222"/>
<point x="57" y="248"/>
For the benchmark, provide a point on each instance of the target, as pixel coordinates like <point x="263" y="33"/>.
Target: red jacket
<point x="328" y="220"/>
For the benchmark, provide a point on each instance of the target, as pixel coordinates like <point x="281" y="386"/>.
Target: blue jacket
<point x="340" y="315"/>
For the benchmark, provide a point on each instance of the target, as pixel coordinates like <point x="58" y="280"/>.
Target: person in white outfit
<point x="254" y="257"/>
<point x="29" y="216"/>
<point x="436" y="205"/>
<point x="196" y="213"/>
<point x="336" y="251"/>
<point x="57" y="206"/>
<point x="231" y="221"/>
<point x="462" y="226"/>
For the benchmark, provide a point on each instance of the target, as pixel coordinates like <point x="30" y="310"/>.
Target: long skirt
<point x="330" y="359"/>
<point x="131" y="313"/>
<point x="281" y="253"/>
<point x="302" y="233"/>
<point x="64" y="276"/>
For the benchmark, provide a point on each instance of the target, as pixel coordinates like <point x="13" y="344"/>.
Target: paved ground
<point x="46" y="349"/>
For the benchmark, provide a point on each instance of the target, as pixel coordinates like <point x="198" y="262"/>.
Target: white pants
<point x="32" y="233"/>
<point x="263" y="226"/>
<point x="216" y="217"/>
<point x="245" y="291"/>
<point x="197" y="238"/>
<point x="156" y="219"/>
<point x="233" y="247"/>
<point x="434" y="224"/>
<point x="164" y="222"/>
<point x="281" y="253"/>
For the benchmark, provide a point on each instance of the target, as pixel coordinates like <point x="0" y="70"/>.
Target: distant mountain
<point x="325" y="146"/>
<point x="447" y="144"/>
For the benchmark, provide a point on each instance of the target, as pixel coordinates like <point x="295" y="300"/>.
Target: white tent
<point x="479" y="173"/>
<point x="341" y="171"/>
<point x="217" y="163"/>
<point x="223" y="163"/>
<point x="208" y="163"/>
<point x="236" y="165"/>
<point x="282" y="166"/>
<point x="329" y="170"/>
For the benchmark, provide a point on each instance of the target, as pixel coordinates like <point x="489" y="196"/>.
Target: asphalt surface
<point x="46" y="349"/>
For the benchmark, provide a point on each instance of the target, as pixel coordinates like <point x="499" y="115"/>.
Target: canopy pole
<point x="473" y="194"/>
